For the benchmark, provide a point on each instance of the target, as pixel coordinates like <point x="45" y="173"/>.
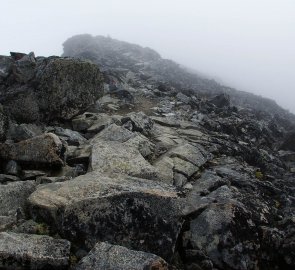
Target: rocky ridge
<point x="114" y="158"/>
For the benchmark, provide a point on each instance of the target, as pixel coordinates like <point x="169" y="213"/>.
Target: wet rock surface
<point x="125" y="160"/>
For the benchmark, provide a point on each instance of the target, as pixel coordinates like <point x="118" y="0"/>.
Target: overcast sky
<point x="248" y="44"/>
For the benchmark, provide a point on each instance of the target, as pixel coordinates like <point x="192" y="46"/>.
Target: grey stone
<point x="21" y="104"/>
<point x="32" y="174"/>
<point x="114" y="157"/>
<point x="67" y="86"/>
<point x="179" y="179"/>
<point x="183" y="98"/>
<point x="3" y="124"/>
<point x="70" y="136"/>
<point x="140" y="122"/>
<point x="114" y="133"/>
<point x="24" y="68"/>
<point x="78" y="154"/>
<point x="105" y="256"/>
<point x="28" y="251"/>
<point x="44" y="149"/>
<point x="94" y="207"/>
<point x="221" y="100"/>
<point x="22" y="132"/>
<point x="12" y="168"/>
<point x="5" y="66"/>
<point x="194" y="154"/>
<point x="14" y="196"/>
<point x="8" y="178"/>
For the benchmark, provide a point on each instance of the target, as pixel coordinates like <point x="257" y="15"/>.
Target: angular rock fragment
<point x="115" y="157"/>
<point x="45" y="149"/>
<point x="29" y="251"/>
<point x="111" y="257"/>
<point x="8" y="178"/>
<point x="14" y="195"/>
<point x="140" y="122"/>
<point x="137" y="213"/>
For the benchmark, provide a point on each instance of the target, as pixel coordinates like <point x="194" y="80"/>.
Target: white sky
<point x="248" y="44"/>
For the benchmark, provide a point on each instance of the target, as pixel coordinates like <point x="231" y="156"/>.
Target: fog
<point x="244" y="44"/>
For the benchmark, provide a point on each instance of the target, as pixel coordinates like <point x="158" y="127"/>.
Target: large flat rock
<point x="111" y="257"/>
<point x="116" y="157"/>
<point x="137" y="213"/>
<point x="28" y="251"/>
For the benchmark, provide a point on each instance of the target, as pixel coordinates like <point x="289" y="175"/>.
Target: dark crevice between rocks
<point x="180" y="259"/>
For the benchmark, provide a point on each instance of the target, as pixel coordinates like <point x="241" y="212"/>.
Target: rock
<point x="12" y="168"/>
<point x="3" y="124"/>
<point x="194" y="154"/>
<point x="79" y="154"/>
<point x="183" y="98"/>
<point x="114" y="157"/>
<point x="140" y="122"/>
<point x="23" y="68"/>
<point x="45" y="149"/>
<point x="70" y="136"/>
<point x="32" y="174"/>
<point x="5" y="67"/>
<point x="111" y="257"/>
<point x="179" y="179"/>
<point x="51" y="88"/>
<point x="121" y="210"/>
<point x="124" y="95"/>
<point x="114" y="133"/>
<point x="8" y="178"/>
<point x="22" y="132"/>
<point x="21" y="104"/>
<point x="221" y="101"/>
<point x="289" y="142"/>
<point x="18" y="251"/>
<point x="67" y="86"/>
<point x="14" y="195"/>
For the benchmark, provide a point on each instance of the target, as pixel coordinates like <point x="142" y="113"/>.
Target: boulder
<point x="21" y="104"/>
<point x="29" y="251"/>
<point x="45" y="149"/>
<point x="105" y="256"/>
<point x="67" y="86"/>
<point x="48" y="88"/>
<point x="136" y="213"/>
<point x="14" y="195"/>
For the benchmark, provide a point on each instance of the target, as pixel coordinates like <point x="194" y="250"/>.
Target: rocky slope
<point x="114" y="158"/>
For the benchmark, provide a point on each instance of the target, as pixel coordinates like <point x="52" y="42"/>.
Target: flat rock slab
<point x="105" y="256"/>
<point x="29" y="251"/>
<point x="44" y="149"/>
<point x="136" y="213"/>
<point x="115" y="157"/>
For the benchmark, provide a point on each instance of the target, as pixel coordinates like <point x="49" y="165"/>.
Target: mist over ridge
<point x="248" y="45"/>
